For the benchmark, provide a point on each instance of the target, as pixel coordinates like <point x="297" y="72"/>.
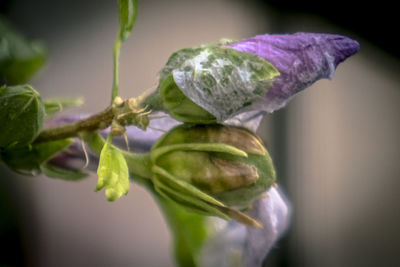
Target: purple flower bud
<point x="301" y="59"/>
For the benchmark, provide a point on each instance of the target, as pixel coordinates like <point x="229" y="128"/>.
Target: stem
<point x="115" y="88"/>
<point x="98" y="121"/>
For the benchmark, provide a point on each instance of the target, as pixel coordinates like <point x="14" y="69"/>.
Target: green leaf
<point x="19" y="58"/>
<point x="55" y="105"/>
<point x="21" y="115"/>
<point x="221" y="80"/>
<point x="113" y="172"/>
<point x="64" y="174"/>
<point x="28" y="159"/>
<point x="127" y="16"/>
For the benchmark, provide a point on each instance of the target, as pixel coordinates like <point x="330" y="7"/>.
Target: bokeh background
<point x="336" y="145"/>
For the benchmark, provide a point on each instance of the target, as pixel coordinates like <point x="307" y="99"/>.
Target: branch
<point x="95" y="122"/>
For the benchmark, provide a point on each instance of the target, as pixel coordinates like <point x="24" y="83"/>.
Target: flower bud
<point x="210" y="84"/>
<point x="228" y="163"/>
<point x="21" y="115"/>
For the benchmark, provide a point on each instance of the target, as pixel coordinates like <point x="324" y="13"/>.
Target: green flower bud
<point x="21" y="115"/>
<point x="211" y="83"/>
<point x="226" y="164"/>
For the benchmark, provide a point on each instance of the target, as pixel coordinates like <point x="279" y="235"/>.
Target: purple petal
<point x="301" y="59"/>
<point x="233" y="242"/>
<point x="73" y="158"/>
<point x="273" y="212"/>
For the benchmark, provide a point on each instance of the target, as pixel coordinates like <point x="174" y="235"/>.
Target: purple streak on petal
<point x="301" y="59"/>
<point x="234" y="241"/>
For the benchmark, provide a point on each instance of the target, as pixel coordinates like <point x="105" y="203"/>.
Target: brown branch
<point x="95" y="122"/>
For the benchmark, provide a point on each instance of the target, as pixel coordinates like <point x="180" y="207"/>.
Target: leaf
<point x="113" y="172"/>
<point x="64" y="174"/>
<point x="21" y="115"/>
<point x="19" y="58"/>
<point x="55" y="105"/>
<point x="223" y="81"/>
<point x="28" y="159"/>
<point x="127" y="16"/>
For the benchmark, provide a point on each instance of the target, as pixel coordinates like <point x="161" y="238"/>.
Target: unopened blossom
<point x="247" y="245"/>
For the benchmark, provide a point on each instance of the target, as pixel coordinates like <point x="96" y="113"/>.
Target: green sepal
<point x="64" y="174"/>
<point x="127" y="16"/>
<point x="184" y="187"/>
<point x="193" y="199"/>
<point x="205" y="147"/>
<point x="29" y="159"/>
<point x="113" y="173"/>
<point x="179" y="106"/>
<point x="19" y="58"/>
<point x="55" y="105"/>
<point x="21" y="115"/>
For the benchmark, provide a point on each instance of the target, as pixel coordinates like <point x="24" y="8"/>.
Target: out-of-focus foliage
<point x="20" y="58"/>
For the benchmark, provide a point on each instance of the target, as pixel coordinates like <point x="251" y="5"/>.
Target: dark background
<point x="335" y="146"/>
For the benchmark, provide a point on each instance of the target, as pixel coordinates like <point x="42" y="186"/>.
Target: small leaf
<point x="19" y="58"/>
<point x="21" y="115"/>
<point x="127" y="16"/>
<point x="113" y="172"/>
<point x="64" y="174"/>
<point x="28" y="159"/>
<point x="55" y="105"/>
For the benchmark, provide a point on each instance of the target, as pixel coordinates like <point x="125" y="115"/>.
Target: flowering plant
<point x="210" y="173"/>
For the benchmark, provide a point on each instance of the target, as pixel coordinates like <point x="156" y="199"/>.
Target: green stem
<point x="139" y="164"/>
<point x="115" y="88"/>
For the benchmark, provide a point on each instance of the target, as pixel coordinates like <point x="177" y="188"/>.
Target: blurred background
<point x="335" y="146"/>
